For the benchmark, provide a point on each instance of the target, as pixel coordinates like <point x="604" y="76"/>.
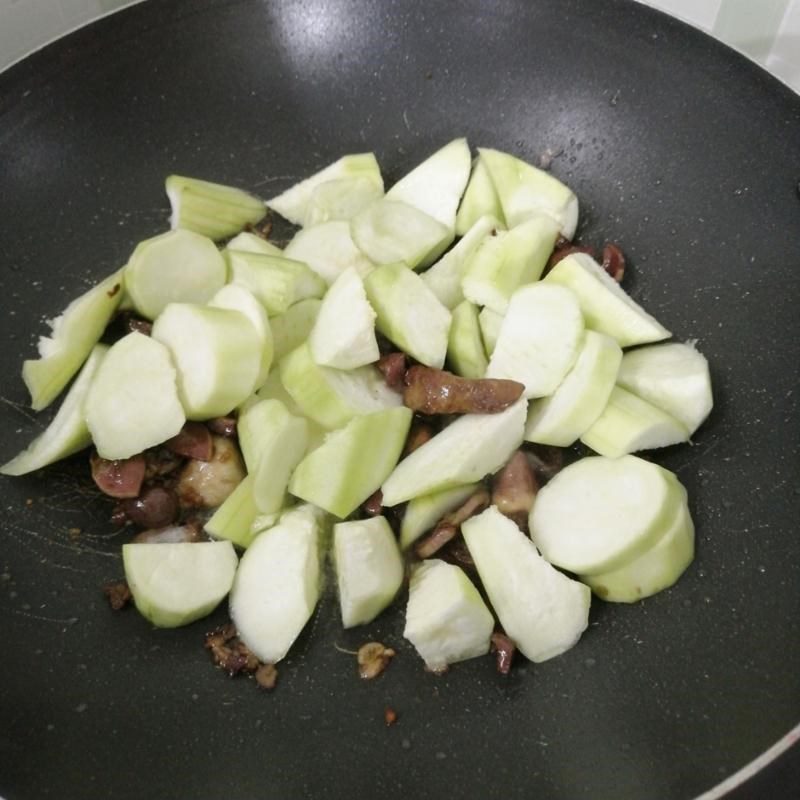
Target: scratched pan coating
<point x="681" y="151"/>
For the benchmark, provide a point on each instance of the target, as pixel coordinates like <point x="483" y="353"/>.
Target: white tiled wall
<point x="766" y="30"/>
<point x="26" y="25"/>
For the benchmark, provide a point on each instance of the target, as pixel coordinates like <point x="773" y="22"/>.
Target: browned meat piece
<point x="564" y="250"/>
<point x="161" y="462"/>
<point x="614" y="262"/>
<point x="434" y="391"/>
<point x="373" y="658"/>
<point x="125" y="322"/>
<point x="456" y="552"/>
<point x="373" y="505"/>
<point x="193" y="441"/>
<point x="223" y="426"/>
<point x="393" y="367"/>
<point x="207" y="484"/>
<point x="266" y="676"/>
<point x="220" y="636"/>
<point x="389" y="716"/>
<point x="420" y="433"/>
<point x="155" y="507"/>
<point x="514" y="489"/>
<point x="436" y="539"/>
<point x="262" y="229"/>
<point x="448" y="527"/>
<point x="230" y="652"/>
<point x="118" y="594"/>
<point x="120" y="478"/>
<point x="545" y="460"/>
<point x="504" y="650"/>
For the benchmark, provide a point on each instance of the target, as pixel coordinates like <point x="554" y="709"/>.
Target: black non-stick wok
<point x="681" y="151"/>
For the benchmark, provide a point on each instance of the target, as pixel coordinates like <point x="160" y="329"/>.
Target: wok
<point x="680" y="150"/>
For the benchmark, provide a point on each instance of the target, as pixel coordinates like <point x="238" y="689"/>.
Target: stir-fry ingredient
<point x="396" y="388"/>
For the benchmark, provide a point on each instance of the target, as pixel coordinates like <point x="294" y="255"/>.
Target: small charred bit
<point x="373" y="658"/>
<point x="389" y="716"/>
<point x="393" y="368"/>
<point x="448" y="527"/>
<point x="223" y="426"/>
<point x="229" y="652"/>
<point x="564" y="250"/>
<point x="435" y="391"/>
<point x="419" y="433"/>
<point x="614" y="262"/>
<point x="120" y="478"/>
<point x="220" y="636"/>
<point x="262" y="229"/>
<point x="155" y="507"/>
<point x="207" y="484"/>
<point x="171" y="534"/>
<point x="514" y="489"/>
<point x="545" y="460"/>
<point x="118" y="594"/>
<point x="161" y="462"/>
<point x="266" y="676"/>
<point x="192" y="441"/>
<point x="373" y="505"/>
<point x="504" y="650"/>
<point x="126" y="322"/>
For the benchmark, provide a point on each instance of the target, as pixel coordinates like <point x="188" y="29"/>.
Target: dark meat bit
<point x="230" y="652"/>
<point x="504" y="650"/>
<point x="120" y="478"/>
<point x="420" y="433"/>
<point x="155" y="507"/>
<point x="564" y="250"/>
<point x="118" y="594"/>
<point x="456" y="552"/>
<point x="266" y="676"/>
<point x="448" y="527"/>
<point x="545" y="460"/>
<point x="160" y="463"/>
<point x="262" y="229"/>
<point x="436" y="540"/>
<point x="207" y="484"/>
<point x="614" y="262"/>
<point x="192" y="441"/>
<point x="373" y="505"/>
<point x="126" y="322"/>
<point x="373" y="658"/>
<point x="114" y="290"/>
<point x="393" y="367"/>
<point x="434" y="391"/>
<point x="223" y="426"/>
<point x="514" y="489"/>
<point x="389" y="716"/>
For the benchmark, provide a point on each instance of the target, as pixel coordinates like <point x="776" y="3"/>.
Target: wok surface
<point x="680" y="150"/>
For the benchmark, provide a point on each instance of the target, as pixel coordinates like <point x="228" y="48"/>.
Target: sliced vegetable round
<point x="218" y="354"/>
<point x="655" y="569"/>
<point x="599" y="513"/>
<point x="132" y="402"/>
<point x="175" y="267"/>
<point x="177" y="583"/>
